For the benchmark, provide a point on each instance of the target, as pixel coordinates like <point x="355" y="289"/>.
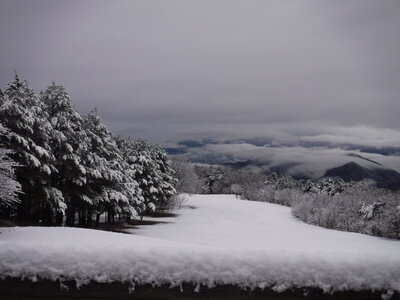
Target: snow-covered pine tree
<point x="166" y="186"/>
<point x="107" y="181"/>
<point x="154" y="174"/>
<point x="130" y="186"/>
<point x="29" y="134"/>
<point x="9" y="187"/>
<point x="70" y="144"/>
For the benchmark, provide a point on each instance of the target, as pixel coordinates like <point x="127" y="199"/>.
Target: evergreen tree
<point x="9" y="187"/>
<point x="154" y="174"/>
<point x="107" y="180"/>
<point x="166" y="186"/>
<point x="28" y="139"/>
<point x="70" y="144"/>
<point x="68" y="164"/>
<point x="130" y="186"/>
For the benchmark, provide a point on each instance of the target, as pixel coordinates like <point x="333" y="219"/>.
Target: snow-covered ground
<point x="216" y="239"/>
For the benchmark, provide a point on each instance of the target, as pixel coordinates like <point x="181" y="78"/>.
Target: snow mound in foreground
<point x="84" y="255"/>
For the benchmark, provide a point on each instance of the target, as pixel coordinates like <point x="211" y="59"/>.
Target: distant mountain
<point x="351" y="171"/>
<point x="354" y="172"/>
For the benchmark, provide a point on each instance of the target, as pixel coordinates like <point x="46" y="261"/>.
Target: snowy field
<point x="216" y="239"/>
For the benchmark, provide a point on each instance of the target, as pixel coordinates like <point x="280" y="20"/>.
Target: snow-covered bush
<point x="280" y="189"/>
<point x="361" y="208"/>
<point x="187" y="179"/>
<point x="329" y="202"/>
<point x="330" y="186"/>
<point x="392" y="224"/>
<point x="211" y="177"/>
<point x="176" y="202"/>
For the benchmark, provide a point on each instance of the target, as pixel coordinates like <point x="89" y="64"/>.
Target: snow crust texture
<point x="215" y="240"/>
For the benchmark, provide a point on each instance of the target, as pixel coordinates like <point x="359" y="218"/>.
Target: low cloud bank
<point x="309" y="155"/>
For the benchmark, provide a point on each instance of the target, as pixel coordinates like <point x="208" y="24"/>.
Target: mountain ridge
<point x="352" y="171"/>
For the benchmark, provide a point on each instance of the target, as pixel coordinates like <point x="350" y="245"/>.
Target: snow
<point x="41" y="151"/>
<point x="35" y="162"/>
<point x="46" y="169"/>
<point x="216" y="239"/>
<point x="224" y="221"/>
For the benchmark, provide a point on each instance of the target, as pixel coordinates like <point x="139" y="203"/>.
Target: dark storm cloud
<point x="182" y="69"/>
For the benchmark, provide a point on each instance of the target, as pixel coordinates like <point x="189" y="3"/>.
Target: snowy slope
<point x="224" y="221"/>
<point x="222" y="240"/>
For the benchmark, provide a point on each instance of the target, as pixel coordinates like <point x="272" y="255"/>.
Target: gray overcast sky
<point x="168" y="70"/>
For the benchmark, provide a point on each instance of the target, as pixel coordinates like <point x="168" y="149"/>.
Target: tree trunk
<point x="109" y="217"/>
<point x="89" y="221"/>
<point x="59" y="218"/>
<point x="82" y="217"/>
<point x="70" y="216"/>
<point x="97" y="224"/>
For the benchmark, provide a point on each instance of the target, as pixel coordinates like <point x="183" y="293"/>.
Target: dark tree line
<point x="62" y="167"/>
